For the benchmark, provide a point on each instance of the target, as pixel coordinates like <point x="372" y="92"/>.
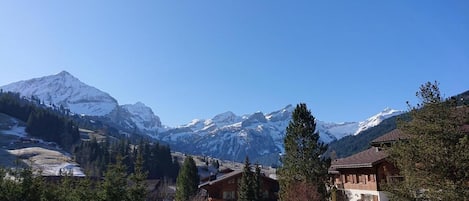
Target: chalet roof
<point x="366" y="158"/>
<point x="394" y="135"/>
<point x="221" y="178"/>
<point x="228" y="176"/>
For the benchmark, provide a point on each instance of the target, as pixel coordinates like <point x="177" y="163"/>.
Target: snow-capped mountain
<point x="136" y="116"/>
<point x="340" y="130"/>
<point x="66" y="90"/>
<point x="143" y="116"/>
<point x="63" y="89"/>
<point x="227" y="135"/>
<point x="377" y="119"/>
<point x="258" y="135"/>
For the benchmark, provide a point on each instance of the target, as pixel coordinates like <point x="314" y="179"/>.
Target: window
<point x="372" y="178"/>
<point x="229" y="195"/>
<point x="362" y="178"/>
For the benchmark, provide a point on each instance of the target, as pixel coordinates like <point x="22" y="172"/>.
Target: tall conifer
<point x="246" y="186"/>
<point x="137" y="192"/>
<point x="114" y="186"/>
<point x="187" y="182"/>
<point x="303" y="162"/>
<point x="257" y="182"/>
<point x="433" y="159"/>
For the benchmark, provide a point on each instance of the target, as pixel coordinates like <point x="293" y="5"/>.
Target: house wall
<point x="385" y="173"/>
<point x="364" y="195"/>
<point x="229" y="185"/>
<point x="363" y="184"/>
<point x="359" y="178"/>
<point x="227" y="189"/>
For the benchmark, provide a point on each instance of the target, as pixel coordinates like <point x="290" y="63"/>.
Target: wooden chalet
<point x="359" y="177"/>
<point x="225" y="187"/>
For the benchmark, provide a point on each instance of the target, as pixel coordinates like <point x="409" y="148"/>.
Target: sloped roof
<point x="229" y="175"/>
<point x="394" y="135"/>
<point x="366" y="158"/>
<point x="221" y="178"/>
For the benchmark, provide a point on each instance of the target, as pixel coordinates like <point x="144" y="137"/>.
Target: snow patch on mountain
<point x="226" y="135"/>
<point x="336" y="131"/>
<point x="377" y="119"/>
<point x="143" y="116"/>
<point x="257" y="135"/>
<point x="66" y="90"/>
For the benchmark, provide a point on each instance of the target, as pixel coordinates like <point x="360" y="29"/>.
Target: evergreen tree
<point x="137" y="191"/>
<point x="434" y="159"/>
<point x="84" y="190"/>
<point x="31" y="187"/>
<point x="187" y="182"/>
<point x="246" y="186"/>
<point x="257" y="183"/>
<point x="114" y="186"/>
<point x="303" y="162"/>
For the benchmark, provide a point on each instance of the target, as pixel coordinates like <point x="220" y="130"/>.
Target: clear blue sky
<point x="347" y="60"/>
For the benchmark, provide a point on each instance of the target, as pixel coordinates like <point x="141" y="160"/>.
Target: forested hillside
<point x="55" y="124"/>
<point x="42" y="122"/>
<point x="353" y="144"/>
<point x="95" y="156"/>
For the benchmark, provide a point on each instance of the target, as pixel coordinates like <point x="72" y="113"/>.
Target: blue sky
<point x="347" y="60"/>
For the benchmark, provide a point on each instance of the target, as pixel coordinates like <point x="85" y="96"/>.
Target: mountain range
<point x="227" y="135"/>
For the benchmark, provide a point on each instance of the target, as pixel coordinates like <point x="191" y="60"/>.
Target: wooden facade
<point x="370" y="178"/>
<point x="225" y="188"/>
<point x="360" y="177"/>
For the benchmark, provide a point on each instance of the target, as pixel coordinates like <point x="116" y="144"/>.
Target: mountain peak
<point x="64" y="73"/>
<point x="378" y="118"/>
<point x="65" y="77"/>
<point x="281" y="114"/>
<point x="388" y="110"/>
<point x="140" y="104"/>
<point x="66" y="90"/>
<point x="142" y="116"/>
<point x="225" y="118"/>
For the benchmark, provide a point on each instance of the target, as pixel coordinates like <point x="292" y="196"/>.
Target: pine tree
<point x="257" y="183"/>
<point x="32" y="188"/>
<point x="138" y="191"/>
<point x="187" y="182"/>
<point x="434" y="159"/>
<point x="114" y="186"/>
<point x="84" y="190"/>
<point x="246" y="186"/>
<point x="303" y="163"/>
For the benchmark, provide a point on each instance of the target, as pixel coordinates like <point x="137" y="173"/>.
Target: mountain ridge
<point x="226" y="135"/>
<point x="63" y="89"/>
